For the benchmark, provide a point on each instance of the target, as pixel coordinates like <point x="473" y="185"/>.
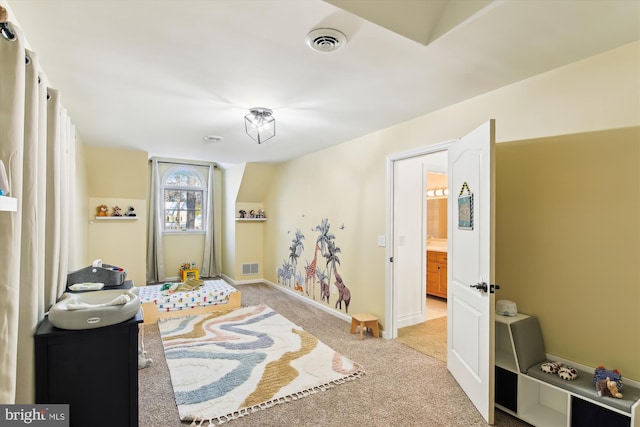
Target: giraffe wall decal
<point x="311" y="273"/>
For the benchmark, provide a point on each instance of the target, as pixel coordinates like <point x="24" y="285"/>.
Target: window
<point x="184" y="193"/>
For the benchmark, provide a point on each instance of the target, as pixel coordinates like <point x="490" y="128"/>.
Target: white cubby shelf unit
<point x="543" y="399"/>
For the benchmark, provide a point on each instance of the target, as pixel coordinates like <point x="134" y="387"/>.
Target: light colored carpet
<point x="429" y="337"/>
<point x="402" y="387"/>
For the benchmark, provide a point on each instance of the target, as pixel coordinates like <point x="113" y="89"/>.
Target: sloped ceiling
<point x="158" y="76"/>
<point x="420" y="21"/>
<point x="255" y="182"/>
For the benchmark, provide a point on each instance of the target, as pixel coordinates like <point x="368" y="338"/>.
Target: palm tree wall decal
<point x="326" y="245"/>
<point x="296" y="249"/>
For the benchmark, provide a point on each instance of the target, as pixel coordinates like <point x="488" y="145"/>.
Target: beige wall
<point x="567" y="242"/>
<point x="249" y="244"/>
<point x="232" y="179"/>
<point x="117" y="177"/>
<point x="116" y="173"/>
<point x="244" y="189"/>
<point x="179" y="249"/>
<point x="347" y="185"/>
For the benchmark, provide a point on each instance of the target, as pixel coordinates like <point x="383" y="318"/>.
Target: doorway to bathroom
<point x="430" y="336"/>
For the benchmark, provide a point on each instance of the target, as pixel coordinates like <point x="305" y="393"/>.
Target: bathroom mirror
<point x="437" y="218"/>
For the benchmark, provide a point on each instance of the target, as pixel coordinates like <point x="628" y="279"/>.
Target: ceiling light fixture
<point x="437" y="193"/>
<point x="260" y="124"/>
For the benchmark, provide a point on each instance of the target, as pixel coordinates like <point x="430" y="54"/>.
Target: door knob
<point x="480" y="286"/>
<point x="484" y="287"/>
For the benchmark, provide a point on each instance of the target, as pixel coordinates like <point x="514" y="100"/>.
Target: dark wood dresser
<point x="95" y="371"/>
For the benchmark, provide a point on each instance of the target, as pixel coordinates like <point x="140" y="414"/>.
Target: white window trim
<point x="204" y="188"/>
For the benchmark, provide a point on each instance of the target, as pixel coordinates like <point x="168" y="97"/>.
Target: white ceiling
<point x="160" y="75"/>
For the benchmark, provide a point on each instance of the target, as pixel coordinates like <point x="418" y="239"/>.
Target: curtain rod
<point x="183" y="162"/>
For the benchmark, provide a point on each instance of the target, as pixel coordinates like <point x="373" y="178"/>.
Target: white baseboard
<point x="410" y="320"/>
<point x="294" y="294"/>
<point x="316" y="304"/>
<point x="306" y="300"/>
<point x="241" y="282"/>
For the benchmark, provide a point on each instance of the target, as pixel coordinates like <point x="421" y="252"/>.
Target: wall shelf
<point x="8" y="204"/>
<point x="117" y="218"/>
<point x="251" y="219"/>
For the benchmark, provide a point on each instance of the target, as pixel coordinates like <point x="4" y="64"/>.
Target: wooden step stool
<point x="365" y="321"/>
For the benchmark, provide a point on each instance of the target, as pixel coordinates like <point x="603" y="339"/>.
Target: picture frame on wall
<point x="465" y="209"/>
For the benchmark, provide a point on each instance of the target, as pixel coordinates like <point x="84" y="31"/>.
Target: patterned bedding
<point x="212" y="292"/>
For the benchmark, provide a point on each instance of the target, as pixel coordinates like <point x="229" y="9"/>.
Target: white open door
<point x="470" y="329"/>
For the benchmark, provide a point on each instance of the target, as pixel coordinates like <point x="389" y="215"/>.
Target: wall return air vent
<point x="248" y="269"/>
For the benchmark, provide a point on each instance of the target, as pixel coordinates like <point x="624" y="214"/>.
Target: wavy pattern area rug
<point x="227" y="365"/>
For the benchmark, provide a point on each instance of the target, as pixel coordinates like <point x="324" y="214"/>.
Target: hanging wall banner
<point x="465" y="208"/>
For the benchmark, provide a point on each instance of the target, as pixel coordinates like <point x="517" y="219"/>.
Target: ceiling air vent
<point x="325" y="40"/>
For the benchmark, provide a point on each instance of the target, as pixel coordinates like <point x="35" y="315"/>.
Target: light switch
<point x="381" y="241"/>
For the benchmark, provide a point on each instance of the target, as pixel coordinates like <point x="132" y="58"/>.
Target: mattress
<point x="212" y="292"/>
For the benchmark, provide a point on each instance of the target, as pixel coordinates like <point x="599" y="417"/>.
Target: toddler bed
<point x="212" y="295"/>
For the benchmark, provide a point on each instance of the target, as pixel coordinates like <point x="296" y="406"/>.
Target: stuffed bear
<point x="102" y="210"/>
<point x="606" y="387"/>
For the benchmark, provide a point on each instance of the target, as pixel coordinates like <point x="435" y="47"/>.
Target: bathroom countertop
<point x="437" y="245"/>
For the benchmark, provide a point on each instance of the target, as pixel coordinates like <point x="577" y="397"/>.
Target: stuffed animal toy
<point x="567" y="373"/>
<point x="102" y="210"/>
<point x="610" y="375"/>
<point x="143" y="360"/>
<point x="550" y="367"/>
<point x="606" y="387"/>
<point x="130" y="212"/>
<point x="116" y="211"/>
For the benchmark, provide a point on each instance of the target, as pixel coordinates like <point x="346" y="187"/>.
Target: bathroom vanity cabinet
<point x="95" y="371"/>
<point x="437" y="274"/>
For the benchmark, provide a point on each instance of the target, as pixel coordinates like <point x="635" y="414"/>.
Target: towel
<point x="119" y="300"/>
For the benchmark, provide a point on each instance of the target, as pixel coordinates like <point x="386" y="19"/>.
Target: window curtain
<point x="155" y="252"/>
<point x="210" y="263"/>
<point x="35" y="139"/>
